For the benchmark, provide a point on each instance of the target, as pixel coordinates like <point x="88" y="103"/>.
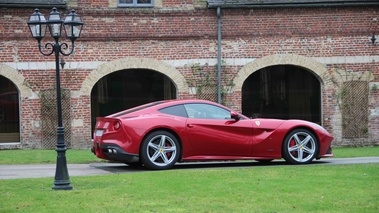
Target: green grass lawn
<point x="306" y="188"/>
<point x="37" y="156"/>
<point x="316" y="188"/>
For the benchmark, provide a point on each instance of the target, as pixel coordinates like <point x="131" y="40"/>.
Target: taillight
<point x="117" y="125"/>
<point x="99" y="132"/>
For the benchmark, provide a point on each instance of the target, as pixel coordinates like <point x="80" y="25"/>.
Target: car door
<point x="212" y="132"/>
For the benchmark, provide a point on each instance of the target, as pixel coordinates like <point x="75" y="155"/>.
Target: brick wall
<point x="179" y="33"/>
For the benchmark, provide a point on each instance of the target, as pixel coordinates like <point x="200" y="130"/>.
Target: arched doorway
<point x="282" y="91"/>
<point x="124" y="89"/>
<point x="9" y="111"/>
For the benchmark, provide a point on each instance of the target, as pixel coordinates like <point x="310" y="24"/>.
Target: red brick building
<point x="313" y="60"/>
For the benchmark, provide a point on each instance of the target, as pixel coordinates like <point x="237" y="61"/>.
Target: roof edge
<point x="60" y="4"/>
<point x="232" y="4"/>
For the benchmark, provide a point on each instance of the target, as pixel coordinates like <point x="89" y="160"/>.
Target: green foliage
<point x="374" y="87"/>
<point x="201" y="76"/>
<point x="205" y="79"/>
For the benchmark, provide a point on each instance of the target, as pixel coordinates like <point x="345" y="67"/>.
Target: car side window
<point x="177" y="110"/>
<point x="206" y="111"/>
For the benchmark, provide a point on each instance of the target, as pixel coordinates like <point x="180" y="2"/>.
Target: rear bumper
<point x="113" y="152"/>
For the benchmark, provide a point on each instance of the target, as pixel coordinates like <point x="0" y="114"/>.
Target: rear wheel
<point x="160" y="150"/>
<point x="300" y="146"/>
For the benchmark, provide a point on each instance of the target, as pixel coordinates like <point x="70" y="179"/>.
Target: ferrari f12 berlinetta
<point x="159" y="134"/>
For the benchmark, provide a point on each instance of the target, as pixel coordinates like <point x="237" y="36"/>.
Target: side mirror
<point x="234" y="115"/>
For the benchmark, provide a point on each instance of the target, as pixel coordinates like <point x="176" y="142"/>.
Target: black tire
<point x="160" y="150"/>
<point x="300" y="146"/>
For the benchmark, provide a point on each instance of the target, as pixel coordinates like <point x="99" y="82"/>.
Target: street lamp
<point x="72" y="26"/>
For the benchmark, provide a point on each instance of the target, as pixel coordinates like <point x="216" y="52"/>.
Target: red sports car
<point x="161" y="133"/>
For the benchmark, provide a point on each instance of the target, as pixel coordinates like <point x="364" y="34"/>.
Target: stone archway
<point x="282" y="92"/>
<point x="19" y="80"/>
<point x="118" y="65"/>
<point x="133" y="63"/>
<point x="288" y="104"/>
<point x="313" y="66"/>
<point x="13" y="87"/>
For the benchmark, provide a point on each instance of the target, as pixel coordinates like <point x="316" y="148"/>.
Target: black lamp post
<point x="73" y="26"/>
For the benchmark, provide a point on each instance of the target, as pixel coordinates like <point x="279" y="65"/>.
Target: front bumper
<point x="114" y="152"/>
<point x="329" y="153"/>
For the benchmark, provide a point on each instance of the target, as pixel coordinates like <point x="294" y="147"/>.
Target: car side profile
<point x="160" y="134"/>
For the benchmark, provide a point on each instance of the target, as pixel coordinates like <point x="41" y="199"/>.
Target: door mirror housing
<point x="234" y="115"/>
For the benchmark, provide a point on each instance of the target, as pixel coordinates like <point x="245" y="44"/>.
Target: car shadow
<point x="236" y="164"/>
<point x="124" y="168"/>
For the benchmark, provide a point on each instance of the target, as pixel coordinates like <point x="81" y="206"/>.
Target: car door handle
<point x="190" y="125"/>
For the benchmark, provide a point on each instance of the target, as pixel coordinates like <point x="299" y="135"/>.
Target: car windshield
<point x="137" y="108"/>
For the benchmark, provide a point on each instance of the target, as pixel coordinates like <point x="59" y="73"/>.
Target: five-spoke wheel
<point x="300" y="146"/>
<point x="160" y="150"/>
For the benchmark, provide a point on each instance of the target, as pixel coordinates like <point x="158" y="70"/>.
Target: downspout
<point x="219" y="55"/>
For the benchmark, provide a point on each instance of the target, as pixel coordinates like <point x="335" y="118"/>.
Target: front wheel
<point x="300" y="146"/>
<point x="160" y="150"/>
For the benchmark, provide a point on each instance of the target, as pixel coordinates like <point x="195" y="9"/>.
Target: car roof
<point x="162" y="104"/>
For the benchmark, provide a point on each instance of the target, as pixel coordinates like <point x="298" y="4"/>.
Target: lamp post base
<point x="65" y="186"/>
<point x="62" y="179"/>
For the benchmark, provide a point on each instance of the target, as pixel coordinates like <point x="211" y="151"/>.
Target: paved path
<point x="48" y="170"/>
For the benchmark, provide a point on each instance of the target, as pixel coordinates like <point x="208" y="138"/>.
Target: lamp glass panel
<point x="73" y="25"/>
<point x="38" y="28"/>
<point x="55" y="25"/>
